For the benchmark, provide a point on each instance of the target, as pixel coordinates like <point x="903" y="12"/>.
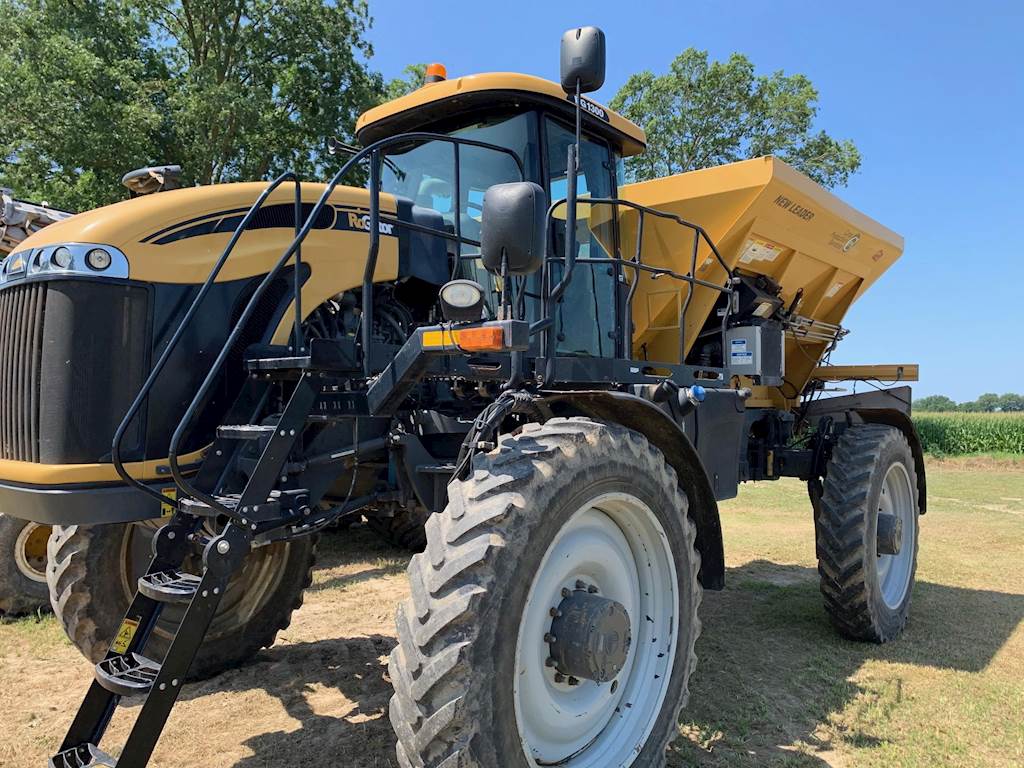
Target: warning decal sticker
<point x="125" y="635"/>
<point x="757" y="249"/>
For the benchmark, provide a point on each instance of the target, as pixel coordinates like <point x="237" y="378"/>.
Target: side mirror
<point x="512" y="228"/>
<point x="583" y="60"/>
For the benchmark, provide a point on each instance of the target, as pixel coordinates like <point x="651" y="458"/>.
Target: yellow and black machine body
<point x="498" y="347"/>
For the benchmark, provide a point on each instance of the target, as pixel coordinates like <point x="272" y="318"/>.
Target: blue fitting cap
<point x="698" y="393"/>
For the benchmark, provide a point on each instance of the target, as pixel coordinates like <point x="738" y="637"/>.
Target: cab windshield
<point x="425" y="172"/>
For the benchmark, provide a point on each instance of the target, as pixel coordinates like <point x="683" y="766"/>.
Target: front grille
<point x="73" y="353"/>
<point x="21" y="333"/>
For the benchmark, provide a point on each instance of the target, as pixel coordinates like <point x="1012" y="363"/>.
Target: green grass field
<point x="774" y="685"/>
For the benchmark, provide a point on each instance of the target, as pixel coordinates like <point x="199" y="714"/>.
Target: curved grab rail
<point x="144" y="393"/>
<point x="546" y="322"/>
<point x="373" y="151"/>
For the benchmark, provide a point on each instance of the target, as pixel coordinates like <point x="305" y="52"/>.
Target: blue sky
<point x="931" y="92"/>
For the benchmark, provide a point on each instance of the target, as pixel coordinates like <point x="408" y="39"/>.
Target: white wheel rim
<point x="28" y="557"/>
<point x="617" y="544"/>
<point x="894" y="571"/>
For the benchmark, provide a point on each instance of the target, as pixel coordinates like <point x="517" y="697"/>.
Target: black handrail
<point x="373" y="151"/>
<point x="546" y="322"/>
<point x="143" y="394"/>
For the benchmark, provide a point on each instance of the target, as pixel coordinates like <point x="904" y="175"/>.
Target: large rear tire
<point x="574" y="511"/>
<point x="871" y="476"/>
<point x="93" y="572"/>
<point x="22" y="566"/>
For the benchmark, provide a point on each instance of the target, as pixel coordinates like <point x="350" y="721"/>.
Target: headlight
<point x="97" y="259"/>
<point x="462" y="301"/>
<point x="61" y="257"/>
<point x="65" y="260"/>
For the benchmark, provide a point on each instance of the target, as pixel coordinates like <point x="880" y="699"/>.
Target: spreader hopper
<point x="766" y="218"/>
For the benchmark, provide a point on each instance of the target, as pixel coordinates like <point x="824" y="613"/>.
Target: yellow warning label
<point x="166" y="510"/>
<point x="125" y="635"/>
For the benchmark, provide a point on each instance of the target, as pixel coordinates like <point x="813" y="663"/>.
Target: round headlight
<point x="462" y="301"/>
<point x="97" y="259"/>
<point x="61" y="258"/>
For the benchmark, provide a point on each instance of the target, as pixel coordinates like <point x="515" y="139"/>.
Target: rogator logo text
<point x="362" y="221"/>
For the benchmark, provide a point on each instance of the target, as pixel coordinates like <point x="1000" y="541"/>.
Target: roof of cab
<point x="444" y="98"/>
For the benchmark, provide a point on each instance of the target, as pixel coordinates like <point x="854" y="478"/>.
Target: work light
<point x="462" y="301"/>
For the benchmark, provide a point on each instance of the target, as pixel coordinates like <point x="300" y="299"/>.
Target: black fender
<point x="885" y="406"/>
<point x="652" y="422"/>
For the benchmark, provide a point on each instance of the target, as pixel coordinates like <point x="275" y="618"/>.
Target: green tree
<point x="1011" y="401"/>
<point x="935" y="403"/>
<point x="230" y="89"/>
<point x="79" y="89"/>
<point x="703" y="113"/>
<point x="412" y="79"/>
<point x="258" y="85"/>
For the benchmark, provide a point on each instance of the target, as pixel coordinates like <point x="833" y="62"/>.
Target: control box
<point x="757" y="351"/>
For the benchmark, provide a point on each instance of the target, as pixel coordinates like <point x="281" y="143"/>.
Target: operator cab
<point x="533" y="119"/>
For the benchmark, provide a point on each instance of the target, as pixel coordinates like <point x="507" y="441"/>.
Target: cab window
<point x="585" y="318"/>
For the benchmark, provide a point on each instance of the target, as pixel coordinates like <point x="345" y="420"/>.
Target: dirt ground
<point x="774" y="685"/>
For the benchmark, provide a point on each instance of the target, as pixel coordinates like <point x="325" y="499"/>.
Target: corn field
<point x="960" y="433"/>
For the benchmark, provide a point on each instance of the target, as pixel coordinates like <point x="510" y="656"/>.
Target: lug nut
<point x="554" y="613"/>
<point x="566" y="592"/>
<point x="592" y="589"/>
<point x="549" y="638"/>
<point x="559" y="677"/>
<point x="549" y="663"/>
<point x="580" y="585"/>
<point x="573" y="681"/>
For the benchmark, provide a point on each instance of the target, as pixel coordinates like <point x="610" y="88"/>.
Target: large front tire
<point x="870" y="476"/>
<point x="93" y="572"/>
<point x="22" y="566"/>
<point x="569" y="507"/>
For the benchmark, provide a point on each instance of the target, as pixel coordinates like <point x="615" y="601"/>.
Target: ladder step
<point x="127" y="675"/>
<point x="169" y="586"/>
<point x="245" y="431"/>
<point x="330" y="355"/>
<point x="83" y="756"/>
<point x="202" y="509"/>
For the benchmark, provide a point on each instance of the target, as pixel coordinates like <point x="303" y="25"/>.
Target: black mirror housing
<point x="513" y="228"/>
<point x="583" y="60"/>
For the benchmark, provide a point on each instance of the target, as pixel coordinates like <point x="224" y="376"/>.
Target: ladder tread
<point x="127" y="675"/>
<point x="171" y="586"/>
<point x="245" y="431"/>
<point x="82" y="756"/>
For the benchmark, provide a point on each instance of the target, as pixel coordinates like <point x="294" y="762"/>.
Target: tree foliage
<point x="230" y="89"/>
<point x="703" y="113"/>
<point x="988" y="402"/>
<point x="413" y="77"/>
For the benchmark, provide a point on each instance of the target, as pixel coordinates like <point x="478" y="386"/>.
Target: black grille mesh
<point x="21" y="331"/>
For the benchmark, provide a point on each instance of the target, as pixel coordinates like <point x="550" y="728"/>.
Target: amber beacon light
<point x="436" y="73"/>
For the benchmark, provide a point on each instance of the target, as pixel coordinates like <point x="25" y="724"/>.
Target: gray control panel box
<point x="758" y="351"/>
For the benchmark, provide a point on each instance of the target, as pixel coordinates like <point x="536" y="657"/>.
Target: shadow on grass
<point x="772" y="670"/>
<point x="771" y="673"/>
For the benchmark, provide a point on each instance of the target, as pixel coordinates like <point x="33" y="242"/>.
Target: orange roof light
<point x="436" y="73"/>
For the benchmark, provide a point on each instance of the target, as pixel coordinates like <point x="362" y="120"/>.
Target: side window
<point x="585" y="316"/>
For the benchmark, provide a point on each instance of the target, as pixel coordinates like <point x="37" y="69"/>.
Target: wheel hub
<point x="30" y="551"/>
<point x="590" y="636"/>
<point x="890" y="534"/>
